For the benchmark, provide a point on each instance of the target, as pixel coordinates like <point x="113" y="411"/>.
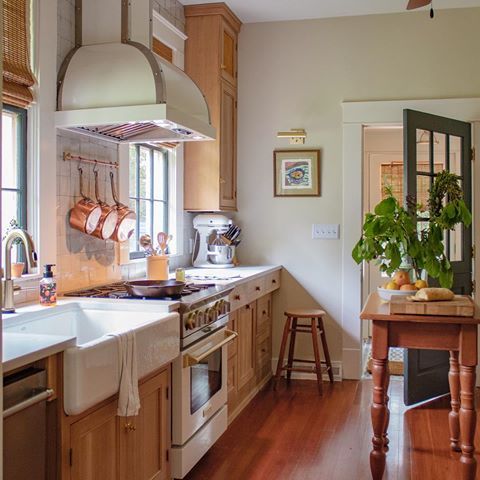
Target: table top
<point x="377" y="309"/>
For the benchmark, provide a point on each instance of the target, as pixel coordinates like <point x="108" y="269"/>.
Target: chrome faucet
<point x="7" y="287"/>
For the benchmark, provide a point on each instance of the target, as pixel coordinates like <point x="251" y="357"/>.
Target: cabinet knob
<point x="247" y="307"/>
<point x="264" y="312"/>
<point x="274" y="281"/>
<point x="222" y="180"/>
<point x="237" y="297"/>
<point x="257" y="289"/>
<point x="130" y="427"/>
<point x="223" y="66"/>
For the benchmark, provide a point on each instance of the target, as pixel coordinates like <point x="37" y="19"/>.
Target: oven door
<point x="199" y="384"/>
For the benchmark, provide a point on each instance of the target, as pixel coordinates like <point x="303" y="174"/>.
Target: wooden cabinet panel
<point x="228" y="64"/>
<point x="232" y="325"/>
<point x="95" y="445"/>
<point x="151" y="438"/>
<point x="246" y="344"/>
<point x="264" y="317"/>
<point x="272" y="281"/>
<point x="228" y="148"/>
<point x="104" y="446"/>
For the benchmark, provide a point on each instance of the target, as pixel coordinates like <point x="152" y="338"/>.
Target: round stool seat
<point x="305" y="313"/>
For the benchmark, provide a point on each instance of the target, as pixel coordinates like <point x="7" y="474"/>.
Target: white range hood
<point x="114" y="87"/>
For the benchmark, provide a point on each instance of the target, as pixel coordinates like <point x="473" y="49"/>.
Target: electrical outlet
<point x="329" y="231"/>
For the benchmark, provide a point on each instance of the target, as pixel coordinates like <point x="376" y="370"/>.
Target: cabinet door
<point x="246" y="344"/>
<point x="228" y="63"/>
<point x="149" y="442"/>
<point x="95" y="445"/>
<point x="228" y="148"/>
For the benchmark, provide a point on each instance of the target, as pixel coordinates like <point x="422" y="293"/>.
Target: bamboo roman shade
<point x="17" y="74"/>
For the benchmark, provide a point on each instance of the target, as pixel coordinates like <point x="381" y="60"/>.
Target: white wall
<point x="295" y="75"/>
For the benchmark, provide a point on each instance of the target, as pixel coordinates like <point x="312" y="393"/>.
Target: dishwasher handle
<point x="40" y="397"/>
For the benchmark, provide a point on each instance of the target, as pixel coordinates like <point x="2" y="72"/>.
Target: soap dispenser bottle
<point x="48" y="287"/>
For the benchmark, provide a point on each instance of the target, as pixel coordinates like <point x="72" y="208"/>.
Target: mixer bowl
<point x="221" y="254"/>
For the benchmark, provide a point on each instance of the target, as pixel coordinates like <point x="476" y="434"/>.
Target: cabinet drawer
<point x="264" y="318"/>
<point x="264" y="354"/>
<point x="238" y="297"/>
<point x="256" y="288"/>
<point x="272" y="281"/>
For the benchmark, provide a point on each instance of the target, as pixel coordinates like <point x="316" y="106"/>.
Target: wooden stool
<point x="291" y="326"/>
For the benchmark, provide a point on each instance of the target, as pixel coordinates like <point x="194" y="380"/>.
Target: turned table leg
<point x="379" y="413"/>
<point x="453" y="416"/>
<point x="468" y="418"/>
<point x="386" y="441"/>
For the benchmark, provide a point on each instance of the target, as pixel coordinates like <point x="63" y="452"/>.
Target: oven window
<point x="206" y="380"/>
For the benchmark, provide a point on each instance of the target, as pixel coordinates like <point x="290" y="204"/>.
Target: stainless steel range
<point x="199" y="379"/>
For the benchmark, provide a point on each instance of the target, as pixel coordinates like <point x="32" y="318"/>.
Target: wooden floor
<point x="293" y="434"/>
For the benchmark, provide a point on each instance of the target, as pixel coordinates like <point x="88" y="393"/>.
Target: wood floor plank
<point x="294" y="434"/>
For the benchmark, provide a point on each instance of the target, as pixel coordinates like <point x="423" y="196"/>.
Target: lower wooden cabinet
<point x="103" y="446"/>
<point x="250" y="356"/>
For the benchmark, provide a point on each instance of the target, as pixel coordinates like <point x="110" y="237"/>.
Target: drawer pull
<point x="274" y="281"/>
<point x="247" y="307"/>
<point x="264" y="312"/>
<point x="264" y="350"/>
<point x="236" y="297"/>
<point x="130" y="427"/>
<point x="257" y="289"/>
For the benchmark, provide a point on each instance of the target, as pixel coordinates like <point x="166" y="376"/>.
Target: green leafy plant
<point x="390" y="235"/>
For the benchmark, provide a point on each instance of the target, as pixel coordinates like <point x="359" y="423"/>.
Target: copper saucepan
<point x="108" y="218"/>
<point x="85" y="214"/>
<point x="127" y="219"/>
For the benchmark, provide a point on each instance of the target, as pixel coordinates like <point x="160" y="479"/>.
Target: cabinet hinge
<point x="473" y="251"/>
<point x="70" y="457"/>
<point x="472" y="154"/>
<point x="168" y="455"/>
<point x="473" y="286"/>
<point x="166" y="392"/>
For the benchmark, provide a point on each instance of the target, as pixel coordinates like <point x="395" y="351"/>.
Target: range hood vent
<point x="112" y="86"/>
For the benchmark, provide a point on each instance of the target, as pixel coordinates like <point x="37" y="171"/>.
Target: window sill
<point x="136" y="261"/>
<point x="25" y="279"/>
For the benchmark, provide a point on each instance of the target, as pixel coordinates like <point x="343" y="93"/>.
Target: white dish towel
<point x="128" y="397"/>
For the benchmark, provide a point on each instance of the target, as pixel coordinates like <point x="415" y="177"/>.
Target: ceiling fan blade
<point x="413" y="4"/>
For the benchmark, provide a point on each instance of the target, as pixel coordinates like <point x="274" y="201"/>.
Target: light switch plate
<point x="328" y="231"/>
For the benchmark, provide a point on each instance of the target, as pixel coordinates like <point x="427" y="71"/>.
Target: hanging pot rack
<point x="68" y="156"/>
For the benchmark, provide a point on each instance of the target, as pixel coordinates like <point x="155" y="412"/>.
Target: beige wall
<point x="295" y="75"/>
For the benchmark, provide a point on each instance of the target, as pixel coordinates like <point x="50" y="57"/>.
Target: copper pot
<point x="109" y="217"/>
<point x="127" y="219"/>
<point x="86" y="213"/>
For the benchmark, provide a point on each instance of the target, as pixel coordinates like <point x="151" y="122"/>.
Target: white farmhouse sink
<point x="91" y="369"/>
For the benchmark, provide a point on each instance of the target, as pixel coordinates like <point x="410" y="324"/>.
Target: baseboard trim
<point x="248" y="399"/>
<point x="336" y="367"/>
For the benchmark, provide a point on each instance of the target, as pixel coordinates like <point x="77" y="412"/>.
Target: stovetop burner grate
<point x="118" y="290"/>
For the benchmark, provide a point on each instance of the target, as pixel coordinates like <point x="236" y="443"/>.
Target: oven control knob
<point x="200" y="318"/>
<point x="191" y="321"/>
<point x="221" y="307"/>
<point x="211" y="315"/>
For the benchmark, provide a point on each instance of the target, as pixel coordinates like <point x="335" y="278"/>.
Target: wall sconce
<point x="297" y="136"/>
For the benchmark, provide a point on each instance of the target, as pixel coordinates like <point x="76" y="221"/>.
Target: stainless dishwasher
<point x="25" y="395"/>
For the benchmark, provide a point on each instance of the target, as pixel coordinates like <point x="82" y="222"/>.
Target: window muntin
<point x="148" y="191"/>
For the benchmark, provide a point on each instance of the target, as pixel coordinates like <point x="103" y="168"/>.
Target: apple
<point x="401" y="277"/>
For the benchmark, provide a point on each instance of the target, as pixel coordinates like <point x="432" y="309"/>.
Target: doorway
<point x="357" y="115"/>
<point x="383" y="168"/>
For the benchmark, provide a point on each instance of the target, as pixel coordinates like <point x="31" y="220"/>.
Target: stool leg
<point x="318" y="365"/>
<point x="282" y="352"/>
<point x="325" y="349"/>
<point x="291" y="348"/>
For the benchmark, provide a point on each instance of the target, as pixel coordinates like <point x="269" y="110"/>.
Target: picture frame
<point x="296" y="173"/>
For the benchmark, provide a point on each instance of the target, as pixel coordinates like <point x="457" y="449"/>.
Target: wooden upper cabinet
<point x="211" y="61"/>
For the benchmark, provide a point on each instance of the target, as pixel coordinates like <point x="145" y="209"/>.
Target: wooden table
<point x="455" y="334"/>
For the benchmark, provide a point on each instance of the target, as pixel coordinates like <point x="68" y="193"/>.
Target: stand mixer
<point x="212" y="255"/>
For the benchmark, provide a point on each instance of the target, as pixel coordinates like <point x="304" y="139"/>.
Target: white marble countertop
<point x="22" y="348"/>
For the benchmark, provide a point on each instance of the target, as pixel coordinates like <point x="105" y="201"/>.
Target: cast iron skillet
<point x="154" y="288"/>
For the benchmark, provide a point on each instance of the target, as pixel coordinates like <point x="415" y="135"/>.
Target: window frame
<point x="139" y="254"/>
<point x="21" y="149"/>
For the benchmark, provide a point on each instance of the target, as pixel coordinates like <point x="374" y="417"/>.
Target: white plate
<point x="386" y="294"/>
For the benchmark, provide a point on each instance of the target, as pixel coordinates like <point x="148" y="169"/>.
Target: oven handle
<point x="190" y="360"/>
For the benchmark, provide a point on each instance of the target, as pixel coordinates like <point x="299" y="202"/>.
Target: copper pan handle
<point x="114" y="191"/>
<point x="80" y="169"/>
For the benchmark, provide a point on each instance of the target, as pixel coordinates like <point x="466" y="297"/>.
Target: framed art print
<point x="296" y="173"/>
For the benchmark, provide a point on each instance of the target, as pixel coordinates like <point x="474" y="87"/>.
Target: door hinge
<point x="472" y="154"/>
<point x="70" y="457"/>
<point x="166" y="392"/>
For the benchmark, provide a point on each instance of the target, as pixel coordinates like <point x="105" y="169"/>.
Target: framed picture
<point x="296" y="173"/>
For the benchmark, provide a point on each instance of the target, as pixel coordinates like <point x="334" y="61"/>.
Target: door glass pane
<point x="205" y="380"/>
<point x="159" y="162"/>
<point x="455" y="155"/>
<point x="145" y="173"/>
